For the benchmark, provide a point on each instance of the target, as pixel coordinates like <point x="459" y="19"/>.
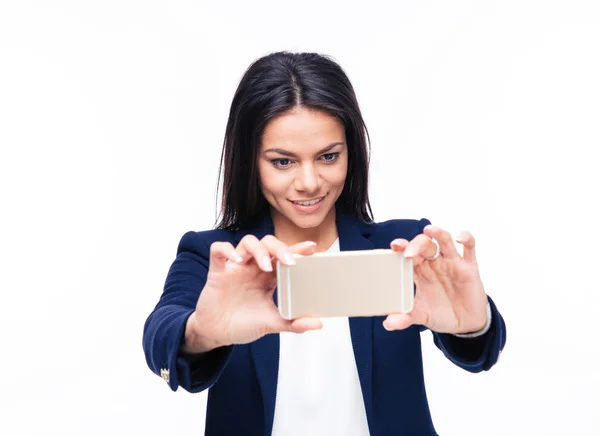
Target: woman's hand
<point x="450" y="297"/>
<point x="236" y="304"/>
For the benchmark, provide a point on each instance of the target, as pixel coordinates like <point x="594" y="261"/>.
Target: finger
<point x="278" y="250"/>
<point x="399" y="244"/>
<point x="220" y="253"/>
<point x="420" y="248"/>
<point x="250" y="247"/>
<point x="304" y="248"/>
<point x="397" y="321"/>
<point x="468" y="242"/>
<point x="447" y="247"/>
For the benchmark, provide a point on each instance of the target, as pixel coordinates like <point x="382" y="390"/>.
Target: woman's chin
<point x="307" y="221"/>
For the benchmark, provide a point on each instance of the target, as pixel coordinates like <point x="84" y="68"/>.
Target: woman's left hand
<point x="450" y="297"/>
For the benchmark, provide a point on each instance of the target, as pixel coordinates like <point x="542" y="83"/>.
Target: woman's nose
<point x="308" y="179"/>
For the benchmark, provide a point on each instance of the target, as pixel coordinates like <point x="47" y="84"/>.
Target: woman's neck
<point x="324" y="234"/>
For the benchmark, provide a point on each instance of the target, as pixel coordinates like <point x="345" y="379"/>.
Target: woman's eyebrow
<point x="290" y="154"/>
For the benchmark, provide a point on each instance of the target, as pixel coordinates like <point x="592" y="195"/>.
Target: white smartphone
<point x="346" y="283"/>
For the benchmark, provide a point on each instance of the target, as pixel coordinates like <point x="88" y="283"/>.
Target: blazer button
<point x="164" y="373"/>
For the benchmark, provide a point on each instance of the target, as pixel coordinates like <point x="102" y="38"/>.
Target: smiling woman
<point x="295" y="163"/>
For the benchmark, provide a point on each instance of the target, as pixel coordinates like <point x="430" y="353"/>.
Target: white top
<point x="318" y="390"/>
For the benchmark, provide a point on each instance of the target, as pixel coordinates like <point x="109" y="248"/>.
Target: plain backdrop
<point x="483" y="116"/>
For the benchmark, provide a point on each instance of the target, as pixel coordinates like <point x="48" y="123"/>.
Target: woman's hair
<point x="273" y="85"/>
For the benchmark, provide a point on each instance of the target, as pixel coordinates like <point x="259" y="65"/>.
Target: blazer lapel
<point x="265" y="351"/>
<point x="265" y="356"/>
<point x="353" y="236"/>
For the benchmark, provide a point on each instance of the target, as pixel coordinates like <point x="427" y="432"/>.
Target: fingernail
<point x="428" y="227"/>
<point x="310" y="243"/>
<point x="236" y="257"/>
<point x="385" y="326"/>
<point x="267" y="264"/>
<point x="408" y="252"/>
<point x="289" y="259"/>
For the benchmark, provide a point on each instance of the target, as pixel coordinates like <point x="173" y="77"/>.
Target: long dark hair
<point x="271" y="86"/>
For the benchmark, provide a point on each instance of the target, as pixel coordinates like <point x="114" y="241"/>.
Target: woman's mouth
<point x="308" y="206"/>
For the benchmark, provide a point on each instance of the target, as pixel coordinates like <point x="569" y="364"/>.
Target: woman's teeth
<point x="308" y="203"/>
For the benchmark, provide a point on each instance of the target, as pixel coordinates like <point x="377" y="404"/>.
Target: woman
<point x="295" y="161"/>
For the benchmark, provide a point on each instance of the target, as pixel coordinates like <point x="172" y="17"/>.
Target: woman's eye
<point x="330" y="157"/>
<point x="281" y="163"/>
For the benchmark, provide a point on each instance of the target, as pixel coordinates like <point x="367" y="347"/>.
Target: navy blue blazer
<point x="243" y="378"/>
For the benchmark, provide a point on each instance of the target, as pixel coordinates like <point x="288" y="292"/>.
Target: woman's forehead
<point x="302" y="130"/>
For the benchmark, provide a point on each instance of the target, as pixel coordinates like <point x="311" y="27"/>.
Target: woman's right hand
<point x="236" y="304"/>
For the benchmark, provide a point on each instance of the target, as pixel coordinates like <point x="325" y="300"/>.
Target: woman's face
<point x="302" y="162"/>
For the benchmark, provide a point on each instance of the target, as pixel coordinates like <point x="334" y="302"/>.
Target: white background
<point x="483" y="116"/>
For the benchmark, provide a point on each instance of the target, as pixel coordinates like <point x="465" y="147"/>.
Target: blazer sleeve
<point x="473" y="354"/>
<point x="165" y="326"/>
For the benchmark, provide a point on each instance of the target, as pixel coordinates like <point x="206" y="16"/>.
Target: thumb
<point x="401" y="321"/>
<point x="398" y="321"/>
<point x="299" y="325"/>
<point x="302" y="325"/>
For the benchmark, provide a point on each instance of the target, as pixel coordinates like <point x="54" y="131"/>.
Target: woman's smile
<point x="308" y="206"/>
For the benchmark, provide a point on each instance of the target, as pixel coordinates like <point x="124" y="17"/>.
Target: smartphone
<point x="346" y="283"/>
